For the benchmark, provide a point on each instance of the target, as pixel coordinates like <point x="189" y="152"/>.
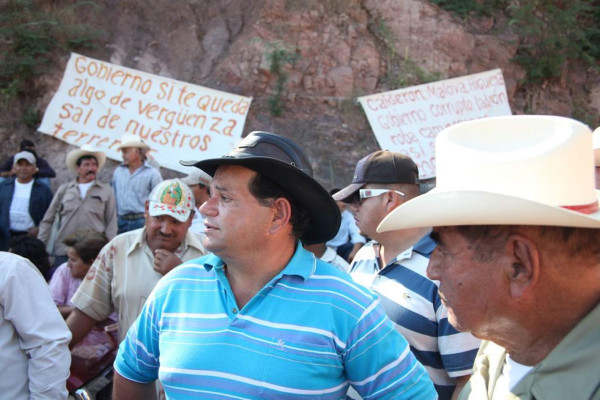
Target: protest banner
<point x="97" y="102"/>
<point x="408" y="120"/>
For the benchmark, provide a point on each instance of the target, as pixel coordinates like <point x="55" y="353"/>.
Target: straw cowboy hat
<point x="282" y="161"/>
<point x="128" y="140"/>
<point x="523" y="170"/>
<point x="85" y="150"/>
<point x="596" y="146"/>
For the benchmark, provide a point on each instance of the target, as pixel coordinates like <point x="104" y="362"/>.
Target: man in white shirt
<point x="23" y="200"/>
<point x="34" y="338"/>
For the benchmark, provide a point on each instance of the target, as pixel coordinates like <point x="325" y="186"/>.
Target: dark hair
<point x="26" y="144"/>
<point x="32" y="249"/>
<point x="87" y="244"/>
<point x="85" y="157"/>
<point x="265" y="191"/>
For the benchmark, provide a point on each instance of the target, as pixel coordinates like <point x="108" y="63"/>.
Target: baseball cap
<point x="24" y="155"/>
<point x="382" y="166"/>
<point x="173" y="198"/>
<point x="197" y="177"/>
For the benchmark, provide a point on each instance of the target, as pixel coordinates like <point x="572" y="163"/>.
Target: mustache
<point x="90" y="173"/>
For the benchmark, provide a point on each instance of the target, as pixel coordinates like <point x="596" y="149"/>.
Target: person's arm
<point x="79" y="324"/>
<point x="43" y="335"/>
<point x="6" y="168"/>
<point x="124" y="389"/>
<point x="379" y="362"/>
<point x="45" y="228"/>
<point x="110" y="216"/>
<point x="461" y="381"/>
<point x="165" y="261"/>
<point x="355" y="248"/>
<point x="44" y="169"/>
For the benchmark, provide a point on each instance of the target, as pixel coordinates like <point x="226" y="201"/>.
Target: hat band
<point x="585" y="208"/>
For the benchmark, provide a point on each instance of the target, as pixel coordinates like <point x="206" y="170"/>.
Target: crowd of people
<point x="248" y="279"/>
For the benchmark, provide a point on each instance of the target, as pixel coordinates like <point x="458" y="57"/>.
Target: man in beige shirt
<point x="129" y="266"/>
<point x="82" y="204"/>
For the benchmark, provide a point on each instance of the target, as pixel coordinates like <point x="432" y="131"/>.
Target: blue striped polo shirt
<point x="308" y="334"/>
<point x="412" y="302"/>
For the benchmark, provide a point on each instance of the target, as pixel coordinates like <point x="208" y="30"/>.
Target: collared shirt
<point x="123" y="276"/>
<point x="307" y="334"/>
<point x="34" y="338"/>
<point x="97" y="211"/>
<point x="331" y="257"/>
<point x="570" y="371"/>
<point x="413" y="303"/>
<point x="132" y="190"/>
<point x="348" y="232"/>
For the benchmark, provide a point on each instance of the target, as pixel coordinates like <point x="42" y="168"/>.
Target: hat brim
<point x="156" y="209"/>
<point x="73" y="155"/>
<point x="452" y="208"/>
<point x="138" y="145"/>
<point x="306" y="191"/>
<point x="346" y="193"/>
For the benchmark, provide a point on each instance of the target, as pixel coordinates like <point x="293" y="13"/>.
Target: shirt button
<point x="234" y="310"/>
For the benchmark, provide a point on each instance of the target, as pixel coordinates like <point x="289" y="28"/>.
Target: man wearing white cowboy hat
<point x="516" y="219"/>
<point x="262" y="317"/>
<point x="596" y="146"/>
<point x="84" y="203"/>
<point x="132" y="182"/>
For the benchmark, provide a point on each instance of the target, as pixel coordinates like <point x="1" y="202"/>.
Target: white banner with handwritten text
<point x="97" y="102"/>
<point x="408" y="120"/>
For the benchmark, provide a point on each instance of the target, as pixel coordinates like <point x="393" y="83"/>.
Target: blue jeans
<point x="126" y="225"/>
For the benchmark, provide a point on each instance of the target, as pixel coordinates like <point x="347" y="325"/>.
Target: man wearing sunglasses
<point x="393" y="264"/>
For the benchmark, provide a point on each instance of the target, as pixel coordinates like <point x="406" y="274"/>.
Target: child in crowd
<point x="83" y="249"/>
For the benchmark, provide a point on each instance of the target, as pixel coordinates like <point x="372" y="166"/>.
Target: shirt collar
<point x="303" y="263"/>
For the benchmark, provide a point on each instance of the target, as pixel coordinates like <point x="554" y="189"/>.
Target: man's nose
<point x="209" y="207"/>
<point x="433" y="268"/>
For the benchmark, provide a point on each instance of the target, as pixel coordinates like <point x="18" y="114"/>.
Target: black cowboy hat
<point x="283" y="162"/>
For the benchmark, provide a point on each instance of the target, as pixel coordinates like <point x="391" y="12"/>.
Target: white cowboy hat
<point x="596" y="146"/>
<point x="521" y="170"/>
<point x="85" y="150"/>
<point x="129" y="140"/>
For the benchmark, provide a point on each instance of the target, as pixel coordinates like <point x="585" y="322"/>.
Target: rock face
<point x="335" y="50"/>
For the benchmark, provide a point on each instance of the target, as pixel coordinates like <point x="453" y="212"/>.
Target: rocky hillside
<point x="306" y="60"/>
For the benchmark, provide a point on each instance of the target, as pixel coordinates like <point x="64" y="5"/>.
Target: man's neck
<point x="395" y="242"/>
<point x="24" y="182"/>
<point x="133" y="166"/>
<point x="249" y="275"/>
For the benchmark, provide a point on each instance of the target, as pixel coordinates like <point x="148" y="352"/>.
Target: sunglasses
<point x="366" y="193"/>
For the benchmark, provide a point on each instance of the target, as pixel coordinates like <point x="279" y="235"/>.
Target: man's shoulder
<point x="366" y="252"/>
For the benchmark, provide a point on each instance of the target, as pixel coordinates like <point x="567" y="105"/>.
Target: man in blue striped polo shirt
<point x="263" y="318"/>
<point x="393" y="264"/>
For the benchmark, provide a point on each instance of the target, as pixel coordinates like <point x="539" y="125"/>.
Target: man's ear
<point x="393" y="200"/>
<point x="524" y="269"/>
<point x="282" y="214"/>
